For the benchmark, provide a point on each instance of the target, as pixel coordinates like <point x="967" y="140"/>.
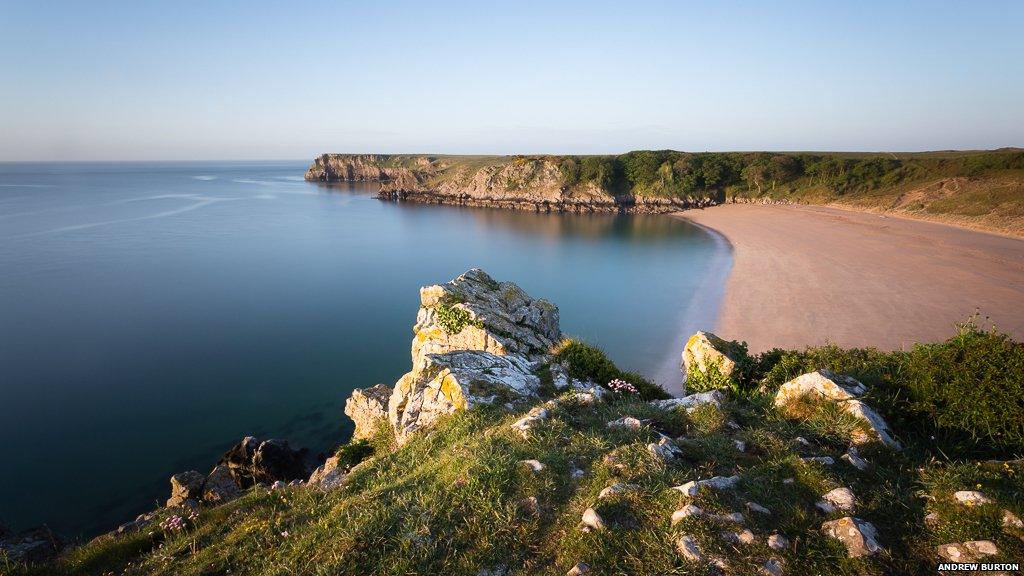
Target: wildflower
<point x="173" y="523"/>
<point x="284" y="534"/>
<point x="621" y="386"/>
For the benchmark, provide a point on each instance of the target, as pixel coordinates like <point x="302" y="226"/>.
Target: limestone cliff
<point x="534" y="183"/>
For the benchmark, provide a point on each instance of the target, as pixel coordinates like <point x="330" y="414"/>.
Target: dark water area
<point x="153" y="314"/>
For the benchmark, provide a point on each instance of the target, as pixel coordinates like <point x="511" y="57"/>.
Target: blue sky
<point x="239" y="80"/>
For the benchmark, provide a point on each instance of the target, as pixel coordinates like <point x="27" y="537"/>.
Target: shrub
<point x="454" y="319"/>
<point x="353" y="453"/>
<point x="586" y="362"/>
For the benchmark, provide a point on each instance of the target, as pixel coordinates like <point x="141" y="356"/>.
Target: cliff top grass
<point x="460" y="500"/>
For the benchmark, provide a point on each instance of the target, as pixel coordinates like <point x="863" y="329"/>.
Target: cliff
<point x="508" y="450"/>
<point x="981" y="189"/>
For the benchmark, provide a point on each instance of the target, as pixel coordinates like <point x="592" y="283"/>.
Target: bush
<point x="353" y="453"/>
<point x="454" y="319"/>
<point x="586" y="362"/>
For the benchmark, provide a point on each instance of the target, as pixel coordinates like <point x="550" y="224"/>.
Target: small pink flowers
<point x="622" y="387"/>
<point x="173" y="523"/>
<point x="284" y="534"/>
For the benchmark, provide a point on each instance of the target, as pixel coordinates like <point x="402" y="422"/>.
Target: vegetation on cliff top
<point x="459" y="499"/>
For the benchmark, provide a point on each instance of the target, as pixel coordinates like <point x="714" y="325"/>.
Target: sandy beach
<point x="805" y="275"/>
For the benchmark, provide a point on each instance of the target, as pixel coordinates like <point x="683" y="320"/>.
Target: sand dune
<point x="808" y="275"/>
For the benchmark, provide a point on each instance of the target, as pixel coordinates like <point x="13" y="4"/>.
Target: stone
<point x="578" y="570"/>
<point x="716" y="483"/>
<point x="535" y="416"/>
<point x="592" y="520"/>
<point x="530" y="506"/>
<point x="744" y="537"/>
<point x="740" y="445"/>
<point x="731" y="517"/>
<point x="971" y="498"/>
<point x="972" y="551"/>
<point x="500" y="318"/>
<point x="220" y="485"/>
<point x="931" y="519"/>
<point x="278" y="485"/>
<point x="186" y="488"/>
<point x="626" y="423"/>
<point x="665" y="449"/>
<point x="704" y="351"/>
<point x="824" y="460"/>
<point x="788" y="481"/>
<point x="617" y="488"/>
<point x="328" y="475"/>
<point x="687" y="511"/>
<point x="535" y="466"/>
<point x="367" y="407"/>
<point x="687" y="547"/>
<point x="838" y="499"/>
<point x="755" y="507"/>
<point x="691" y="402"/>
<point x="577" y="473"/>
<point x="852" y="457"/>
<point x="772" y="567"/>
<point x="858" y="536"/>
<point x="1011" y="520"/>
<point x="446" y="383"/>
<point x="778" y="542"/>
<point x="33" y="546"/>
<point x="823" y="385"/>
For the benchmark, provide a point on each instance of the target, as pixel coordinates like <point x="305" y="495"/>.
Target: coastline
<point x="857" y="278"/>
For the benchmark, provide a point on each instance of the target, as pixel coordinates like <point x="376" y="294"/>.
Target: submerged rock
<point x="367" y="407"/>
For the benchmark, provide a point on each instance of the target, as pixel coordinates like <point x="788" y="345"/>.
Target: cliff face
<point x="519" y="183"/>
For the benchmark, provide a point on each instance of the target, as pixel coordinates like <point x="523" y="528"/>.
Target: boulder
<point x="858" y="536"/>
<point x="220" y="485"/>
<point x="972" y="551"/>
<point x="704" y="350"/>
<point x="691" y="402"/>
<point x="838" y="499"/>
<point x="328" y="475"/>
<point x="186" y="488"/>
<point x="367" y="407"/>
<point x="822" y="385"/>
<point x="445" y="383"/>
<point x="475" y="312"/>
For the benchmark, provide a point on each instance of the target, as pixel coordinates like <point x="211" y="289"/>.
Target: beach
<point x="810" y="275"/>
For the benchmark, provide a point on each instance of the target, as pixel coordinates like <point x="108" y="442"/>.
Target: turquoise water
<point x="151" y="315"/>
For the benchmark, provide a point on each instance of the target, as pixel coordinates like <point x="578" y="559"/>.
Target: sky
<point x="288" y="80"/>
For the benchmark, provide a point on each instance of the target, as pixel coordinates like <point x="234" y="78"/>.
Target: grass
<point x="458" y="499"/>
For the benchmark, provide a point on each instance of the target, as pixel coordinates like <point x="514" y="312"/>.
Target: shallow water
<point x="152" y="314"/>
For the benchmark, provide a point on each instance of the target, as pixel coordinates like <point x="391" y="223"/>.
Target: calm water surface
<point x="153" y="314"/>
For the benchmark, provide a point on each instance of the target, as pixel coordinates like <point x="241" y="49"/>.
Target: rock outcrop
<point x="367" y="407"/>
<point x="476" y="341"/>
<point x="253" y="462"/>
<point x="186" y="488"/>
<point x="823" y="385"/>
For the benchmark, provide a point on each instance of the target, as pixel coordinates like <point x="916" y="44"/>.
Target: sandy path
<point x="808" y="275"/>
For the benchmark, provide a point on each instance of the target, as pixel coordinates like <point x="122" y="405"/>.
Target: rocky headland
<point x="509" y="449"/>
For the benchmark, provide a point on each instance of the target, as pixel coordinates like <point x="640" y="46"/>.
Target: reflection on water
<point x="153" y="314"/>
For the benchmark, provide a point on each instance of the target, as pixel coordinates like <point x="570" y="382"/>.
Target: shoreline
<point x="858" y="278"/>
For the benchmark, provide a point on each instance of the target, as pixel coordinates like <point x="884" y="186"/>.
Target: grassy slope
<point x="454" y="501"/>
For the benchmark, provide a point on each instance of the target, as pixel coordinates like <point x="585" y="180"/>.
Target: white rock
<point x="788" y="480"/>
<point x="576" y="473"/>
<point x="691" y="402"/>
<point x="778" y="542"/>
<point x="626" y="423"/>
<point x="578" y="570"/>
<point x="826" y="460"/>
<point x="967" y="551"/>
<point x="732" y="517"/>
<point x="687" y="547"/>
<point x="704" y="350"/>
<point x="838" y="499"/>
<point x="592" y="520"/>
<point x="716" y="483"/>
<point x="534" y="417"/>
<point x="803" y="441"/>
<point x="665" y="449"/>
<point x="931" y="518"/>
<point x="859" y="537"/>
<point x="1011" y="520"/>
<point x="971" y="498"/>
<point x="740" y="445"/>
<point x="755" y="507"/>
<point x="686" y="512"/>
<point x="367" y="407"/>
<point x="852" y="457"/>
<point x="617" y="488"/>
<point x="744" y="537"/>
<point x="534" y="465"/>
